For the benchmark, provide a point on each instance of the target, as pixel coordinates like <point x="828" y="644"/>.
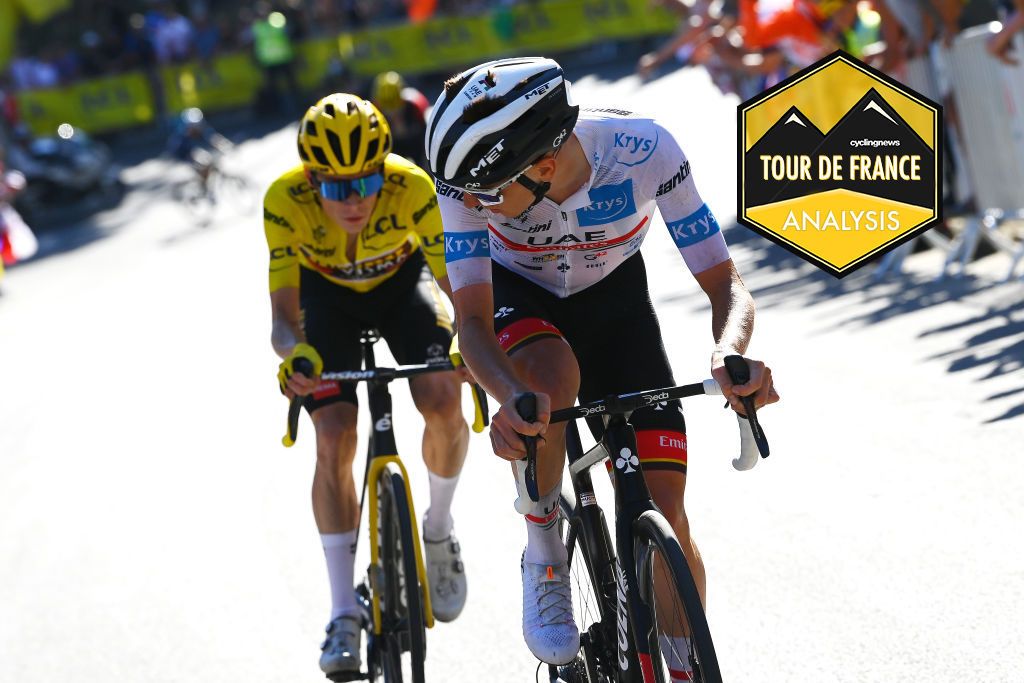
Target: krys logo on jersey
<point x="608" y="203"/>
<point x="838" y="164"/>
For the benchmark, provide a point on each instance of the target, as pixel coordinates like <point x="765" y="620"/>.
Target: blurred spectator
<point x="999" y="44"/>
<point x="30" y="73"/>
<point x="8" y="110"/>
<point x="326" y="18"/>
<point x="172" y="36"/>
<point x="207" y="37"/>
<point x="137" y="47"/>
<point x="90" y="61"/>
<point x="17" y="242"/>
<point x="405" y="108"/>
<point x="272" y="47"/>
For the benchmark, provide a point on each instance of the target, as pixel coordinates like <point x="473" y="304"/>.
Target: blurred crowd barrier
<point x="985" y="98"/>
<point x="125" y="100"/>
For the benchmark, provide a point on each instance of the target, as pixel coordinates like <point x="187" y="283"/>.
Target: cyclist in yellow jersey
<point x="355" y="240"/>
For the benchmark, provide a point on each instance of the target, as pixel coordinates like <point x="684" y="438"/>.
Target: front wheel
<point x="680" y="641"/>
<point x="588" y="574"/>
<point x="403" y="628"/>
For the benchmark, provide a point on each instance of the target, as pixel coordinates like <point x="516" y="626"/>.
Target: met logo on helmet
<point x="489" y="158"/>
<point x="538" y="91"/>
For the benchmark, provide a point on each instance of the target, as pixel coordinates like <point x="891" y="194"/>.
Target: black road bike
<point x="636" y="601"/>
<point x="395" y="596"/>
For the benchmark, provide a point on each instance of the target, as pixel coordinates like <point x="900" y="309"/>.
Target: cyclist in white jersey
<point x="544" y="209"/>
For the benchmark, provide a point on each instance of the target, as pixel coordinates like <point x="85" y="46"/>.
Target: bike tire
<point x="404" y="628"/>
<point x="654" y="537"/>
<point x="197" y="203"/>
<point x="239" y="191"/>
<point x="591" y="664"/>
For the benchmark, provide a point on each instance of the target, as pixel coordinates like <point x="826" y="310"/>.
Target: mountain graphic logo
<point x="838" y="164"/>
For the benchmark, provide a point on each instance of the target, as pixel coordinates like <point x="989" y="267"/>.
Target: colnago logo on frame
<point x="622" y="617"/>
<point x="843" y="178"/>
<point x="626" y="461"/>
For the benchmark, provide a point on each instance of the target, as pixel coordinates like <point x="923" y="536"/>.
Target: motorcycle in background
<point x="64" y="169"/>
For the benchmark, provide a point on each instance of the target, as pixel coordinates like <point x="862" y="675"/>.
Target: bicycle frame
<point x="381" y="453"/>
<point x="618" y="584"/>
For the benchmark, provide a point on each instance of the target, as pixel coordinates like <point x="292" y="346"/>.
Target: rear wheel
<point x="402" y="629"/>
<point x="680" y="640"/>
<point x="237" y="192"/>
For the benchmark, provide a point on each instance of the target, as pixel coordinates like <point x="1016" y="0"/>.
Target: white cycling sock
<point x="340" y="551"/>
<point x="437" y="524"/>
<point x="674" y="650"/>
<point x="543" y="541"/>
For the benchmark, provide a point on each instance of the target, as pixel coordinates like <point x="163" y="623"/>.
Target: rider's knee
<point x="550" y="367"/>
<point x="440" y="401"/>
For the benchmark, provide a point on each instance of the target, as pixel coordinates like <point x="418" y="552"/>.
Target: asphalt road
<point x="152" y="528"/>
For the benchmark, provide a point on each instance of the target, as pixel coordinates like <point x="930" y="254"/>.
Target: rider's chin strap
<point x="539" y="190"/>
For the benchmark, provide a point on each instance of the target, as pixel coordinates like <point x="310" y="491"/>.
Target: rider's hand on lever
<point x="507" y="426"/>
<point x="760" y="385"/>
<point x="294" y="383"/>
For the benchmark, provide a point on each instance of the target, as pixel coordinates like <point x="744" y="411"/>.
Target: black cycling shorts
<point x="406" y="309"/>
<point x="613" y="330"/>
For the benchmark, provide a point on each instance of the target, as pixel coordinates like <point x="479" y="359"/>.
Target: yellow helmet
<point x="387" y="90"/>
<point x="343" y="134"/>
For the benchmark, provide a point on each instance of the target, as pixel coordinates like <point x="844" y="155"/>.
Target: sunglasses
<point x="492" y="195"/>
<point x="340" y="190"/>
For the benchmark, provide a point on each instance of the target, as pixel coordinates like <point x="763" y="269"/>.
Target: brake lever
<point x="739" y="373"/>
<point x="526" y="469"/>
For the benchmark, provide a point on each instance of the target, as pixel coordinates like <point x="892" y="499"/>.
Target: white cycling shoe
<point x="341" y="647"/>
<point x="549" y="627"/>
<point x="447" y="577"/>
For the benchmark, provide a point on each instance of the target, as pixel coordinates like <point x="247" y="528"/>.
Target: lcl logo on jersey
<point x="608" y="203"/>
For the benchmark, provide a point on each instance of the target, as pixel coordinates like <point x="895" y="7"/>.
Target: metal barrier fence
<point x="989" y="99"/>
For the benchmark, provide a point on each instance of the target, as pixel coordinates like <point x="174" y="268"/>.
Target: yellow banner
<point x="41" y="10"/>
<point x="96" y="106"/>
<point x="445" y="43"/>
<point x="8" y="31"/>
<point x="231" y="81"/>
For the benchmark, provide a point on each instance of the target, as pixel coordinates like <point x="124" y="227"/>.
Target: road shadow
<point x="986" y="332"/>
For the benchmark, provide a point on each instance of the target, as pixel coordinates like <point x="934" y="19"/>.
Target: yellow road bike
<point x="395" y="595"/>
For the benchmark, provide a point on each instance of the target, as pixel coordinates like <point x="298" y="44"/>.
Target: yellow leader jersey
<point x="299" y="233"/>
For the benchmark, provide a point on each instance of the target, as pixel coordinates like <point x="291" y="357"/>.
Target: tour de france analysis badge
<point x="838" y="164"/>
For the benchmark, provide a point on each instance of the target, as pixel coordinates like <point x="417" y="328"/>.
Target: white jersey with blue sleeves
<point x="636" y="165"/>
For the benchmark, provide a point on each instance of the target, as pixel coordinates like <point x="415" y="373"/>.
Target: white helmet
<point x="521" y="109"/>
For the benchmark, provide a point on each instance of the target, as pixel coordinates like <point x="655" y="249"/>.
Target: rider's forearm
<point x="732" y="318"/>
<point x="487" y="361"/>
<point x="285" y="335"/>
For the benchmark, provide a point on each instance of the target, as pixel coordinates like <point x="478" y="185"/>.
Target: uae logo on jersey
<point x="838" y="164"/>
